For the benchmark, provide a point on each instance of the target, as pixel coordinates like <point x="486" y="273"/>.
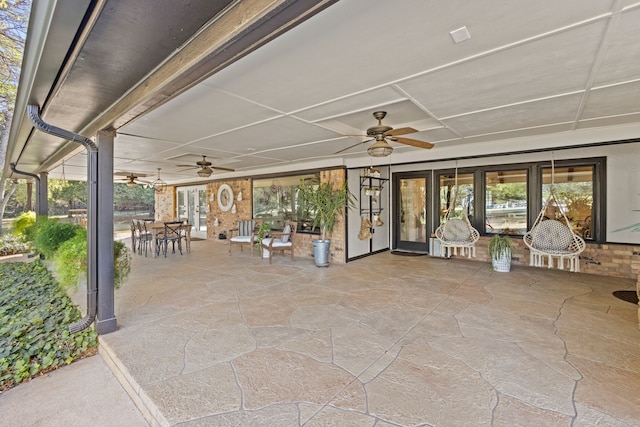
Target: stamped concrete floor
<point x="208" y="339"/>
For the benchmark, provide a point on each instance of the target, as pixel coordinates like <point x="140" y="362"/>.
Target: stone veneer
<point x="617" y="260"/>
<point x="165" y="205"/>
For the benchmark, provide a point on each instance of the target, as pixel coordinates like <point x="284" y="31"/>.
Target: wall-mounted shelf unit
<point x="370" y="190"/>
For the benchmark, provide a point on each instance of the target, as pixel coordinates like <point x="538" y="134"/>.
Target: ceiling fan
<point x="382" y="133"/>
<point x="132" y="179"/>
<point x="205" y="168"/>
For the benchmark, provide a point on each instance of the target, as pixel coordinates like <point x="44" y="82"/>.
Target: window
<point x="275" y="200"/>
<point x="506" y="202"/>
<point x="507" y="199"/>
<point x="573" y="189"/>
<point x="459" y="199"/>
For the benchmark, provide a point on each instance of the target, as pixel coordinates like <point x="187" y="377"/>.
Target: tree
<point x="13" y="29"/>
<point x="69" y="194"/>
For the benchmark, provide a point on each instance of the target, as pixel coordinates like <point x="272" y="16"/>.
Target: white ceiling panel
<point x="511" y="76"/>
<point x="610" y="121"/>
<point x="280" y="132"/>
<point x="141" y="148"/>
<point x="533" y="114"/>
<point x="613" y="100"/>
<point x="621" y="61"/>
<point x="198" y="113"/>
<point x="370" y="101"/>
<point x="399" y="114"/>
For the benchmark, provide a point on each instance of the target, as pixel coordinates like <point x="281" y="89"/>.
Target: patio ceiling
<point x="532" y="75"/>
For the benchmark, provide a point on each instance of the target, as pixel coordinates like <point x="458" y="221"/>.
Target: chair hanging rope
<point x="550" y="239"/>
<point x="457" y="234"/>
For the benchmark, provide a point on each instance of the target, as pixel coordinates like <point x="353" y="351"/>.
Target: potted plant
<point x="263" y="232"/>
<point x="500" y="249"/>
<point x="327" y="203"/>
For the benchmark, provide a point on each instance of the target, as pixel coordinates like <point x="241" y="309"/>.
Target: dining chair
<point x="174" y="233"/>
<point x="143" y="237"/>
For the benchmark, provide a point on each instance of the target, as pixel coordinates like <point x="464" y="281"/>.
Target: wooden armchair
<point x="246" y="233"/>
<point x="281" y="241"/>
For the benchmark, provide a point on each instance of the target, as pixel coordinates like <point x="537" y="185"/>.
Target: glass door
<point x="410" y="231"/>
<point x="192" y="206"/>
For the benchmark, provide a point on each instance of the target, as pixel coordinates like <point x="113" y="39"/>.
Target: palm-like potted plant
<point x="326" y="202"/>
<point x="500" y="250"/>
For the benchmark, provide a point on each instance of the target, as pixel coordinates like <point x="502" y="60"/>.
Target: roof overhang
<point x="71" y="73"/>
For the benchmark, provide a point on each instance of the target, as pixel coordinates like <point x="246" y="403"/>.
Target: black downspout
<point x="92" y="203"/>
<point x="33" y="175"/>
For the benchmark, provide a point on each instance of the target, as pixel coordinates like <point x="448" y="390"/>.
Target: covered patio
<point x="209" y="338"/>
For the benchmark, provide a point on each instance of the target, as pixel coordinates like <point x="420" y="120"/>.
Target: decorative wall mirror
<point x="225" y="197"/>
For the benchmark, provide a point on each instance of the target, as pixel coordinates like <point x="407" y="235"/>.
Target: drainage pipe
<point x="38" y="184"/>
<point x="92" y="203"/>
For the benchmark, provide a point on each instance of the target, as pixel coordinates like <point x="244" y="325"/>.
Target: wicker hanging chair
<point x="457" y="235"/>
<point x="552" y="240"/>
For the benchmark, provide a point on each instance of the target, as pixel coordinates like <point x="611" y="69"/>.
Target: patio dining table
<point x="158" y="227"/>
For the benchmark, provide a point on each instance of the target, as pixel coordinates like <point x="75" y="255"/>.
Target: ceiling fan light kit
<point x="380" y="133"/>
<point x="380" y="149"/>
<point x="204" y="172"/>
<point x="205" y="168"/>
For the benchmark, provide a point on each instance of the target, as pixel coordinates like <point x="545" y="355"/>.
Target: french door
<point x="192" y="206"/>
<point x="411" y="213"/>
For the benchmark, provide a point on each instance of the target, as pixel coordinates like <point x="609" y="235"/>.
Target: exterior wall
<point x="228" y="220"/>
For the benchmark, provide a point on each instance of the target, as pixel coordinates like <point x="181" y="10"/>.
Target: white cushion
<point x="241" y="239"/>
<point x="456" y="230"/>
<point x="551" y="235"/>
<point x="285" y="234"/>
<point x="277" y="243"/>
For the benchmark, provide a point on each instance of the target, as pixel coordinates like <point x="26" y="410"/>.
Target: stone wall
<point x="165" y="205"/>
<point x="615" y="260"/>
<point x="228" y="220"/>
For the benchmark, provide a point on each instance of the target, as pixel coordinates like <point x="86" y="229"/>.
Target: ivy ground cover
<point x="35" y="314"/>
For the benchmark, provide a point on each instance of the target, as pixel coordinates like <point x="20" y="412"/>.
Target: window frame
<point x="534" y="191"/>
<point x="315" y="230"/>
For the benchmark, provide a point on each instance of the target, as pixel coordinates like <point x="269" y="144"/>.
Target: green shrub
<point x="35" y="314"/>
<point x="122" y="263"/>
<point x="24" y="221"/>
<point x="50" y="234"/>
<point x="70" y="261"/>
<point x="10" y="244"/>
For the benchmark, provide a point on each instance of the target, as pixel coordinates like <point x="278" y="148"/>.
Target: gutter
<point x="92" y="181"/>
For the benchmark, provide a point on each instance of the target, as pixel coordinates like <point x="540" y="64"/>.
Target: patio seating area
<point x="212" y="339"/>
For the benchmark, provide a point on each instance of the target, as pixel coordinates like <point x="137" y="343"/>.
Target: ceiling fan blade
<point x="354" y="145"/>
<point x="400" y="131"/>
<point x="187" y="166"/>
<point x="413" y="142"/>
<point x="222" y="169"/>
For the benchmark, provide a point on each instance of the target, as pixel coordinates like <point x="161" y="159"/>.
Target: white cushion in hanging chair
<point x="551" y="235"/>
<point x="456" y="230"/>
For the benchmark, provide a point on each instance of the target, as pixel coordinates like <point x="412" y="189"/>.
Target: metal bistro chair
<point x="173" y="233"/>
<point x="143" y="237"/>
